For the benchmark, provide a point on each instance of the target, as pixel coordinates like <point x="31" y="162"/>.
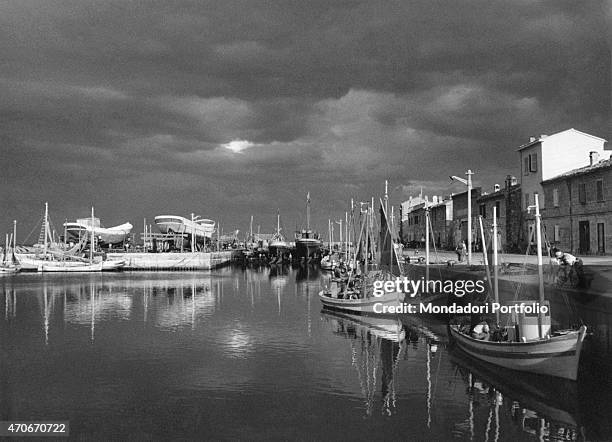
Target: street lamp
<point x="468" y="182"/>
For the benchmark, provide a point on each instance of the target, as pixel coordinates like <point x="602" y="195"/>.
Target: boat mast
<point x="367" y="239"/>
<point x="540" y="269"/>
<point x="329" y="234"/>
<point x="14" y="234"/>
<point x="392" y="248"/>
<point x="426" y="240"/>
<point x="346" y="237"/>
<point x="495" y="263"/>
<point x="308" y="211"/>
<point x="278" y="223"/>
<point x="91" y="244"/>
<point x="46" y="221"/>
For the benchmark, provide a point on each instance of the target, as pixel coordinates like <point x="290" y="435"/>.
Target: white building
<point x="547" y="156"/>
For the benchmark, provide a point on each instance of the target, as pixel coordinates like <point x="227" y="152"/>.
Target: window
<point x="556" y="197"/>
<point x="533" y="162"/>
<point x="483" y="210"/>
<point x="599" y="187"/>
<point x="557" y="236"/>
<point x="526" y="168"/>
<point x="526" y="201"/>
<point x="582" y="193"/>
<point x="497" y="209"/>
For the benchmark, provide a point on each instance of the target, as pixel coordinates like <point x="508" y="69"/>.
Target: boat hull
<point x="170" y="224"/>
<point x="112" y="265"/>
<point x="308" y="248"/>
<point x="371" y="305"/>
<point x="111" y="235"/>
<point x="557" y="356"/>
<point x="67" y="266"/>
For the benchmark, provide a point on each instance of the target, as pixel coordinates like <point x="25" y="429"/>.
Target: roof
<point x="460" y="194"/>
<point x="499" y="193"/>
<point x="546" y="137"/>
<point x="582" y="170"/>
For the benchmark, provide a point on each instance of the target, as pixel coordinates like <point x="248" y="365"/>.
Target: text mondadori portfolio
<point x="494" y="307"/>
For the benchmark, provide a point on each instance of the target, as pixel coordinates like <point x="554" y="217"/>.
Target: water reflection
<point x="376" y="345"/>
<point x="541" y="406"/>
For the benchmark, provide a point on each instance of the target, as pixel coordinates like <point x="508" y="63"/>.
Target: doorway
<point x="601" y="239"/>
<point x="584" y="238"/>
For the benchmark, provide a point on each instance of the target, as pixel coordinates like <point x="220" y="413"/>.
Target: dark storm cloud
<point x="238" y="107"/>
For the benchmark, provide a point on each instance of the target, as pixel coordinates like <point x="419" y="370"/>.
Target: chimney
<point x="435" y="199"/>
<point x="513" y="181"/>
<point x="593" y="157"/>
<point x="496" y="188"/>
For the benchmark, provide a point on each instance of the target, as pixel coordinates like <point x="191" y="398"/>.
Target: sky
<point x="228" y="109"/>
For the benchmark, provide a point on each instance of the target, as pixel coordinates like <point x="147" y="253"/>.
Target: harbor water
<point x="248" y="354"/>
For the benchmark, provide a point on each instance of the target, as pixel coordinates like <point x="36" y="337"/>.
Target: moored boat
<point x="359" y="293"/>
<point x="47" y="260"/>
<point x="534" y="347"/>
<point x="307" y="242"/>
<point x="9" y="264"/>
<point x="277" y="247"/>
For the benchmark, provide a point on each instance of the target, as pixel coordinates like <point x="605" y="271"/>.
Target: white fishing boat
<point x="105" y="235"/>
<point x="543" y="351"/>
<point x="202" y="228"/>
<point x="9" y="264"/>
<point x="69" y="266"/>
<point x="48" y="260"/>
<point x="356" y="294"/>
<point x="112" y="265"/>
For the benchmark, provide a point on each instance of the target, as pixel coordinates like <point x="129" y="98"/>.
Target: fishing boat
<point x="277" y="247"/>
<point x="202" y="229"/>
<point x="109" y="265"/>
<point x="105" y="235"/>
<point x="9" y="264"/>
<point x="357" y="295"/>
<point x="307" y="242"/>
<point x="50" y="259"/>
<point x="537" y="351"/>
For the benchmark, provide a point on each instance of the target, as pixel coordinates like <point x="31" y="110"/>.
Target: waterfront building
<point x="507" y="202"/>
<point x="578" y="208"/>
<point x="441" y="216"/>
<point x="460" y="216"/>
<point x="548" y="156"/>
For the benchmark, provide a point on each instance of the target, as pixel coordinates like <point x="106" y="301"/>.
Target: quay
<point x="174" y="261"/>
